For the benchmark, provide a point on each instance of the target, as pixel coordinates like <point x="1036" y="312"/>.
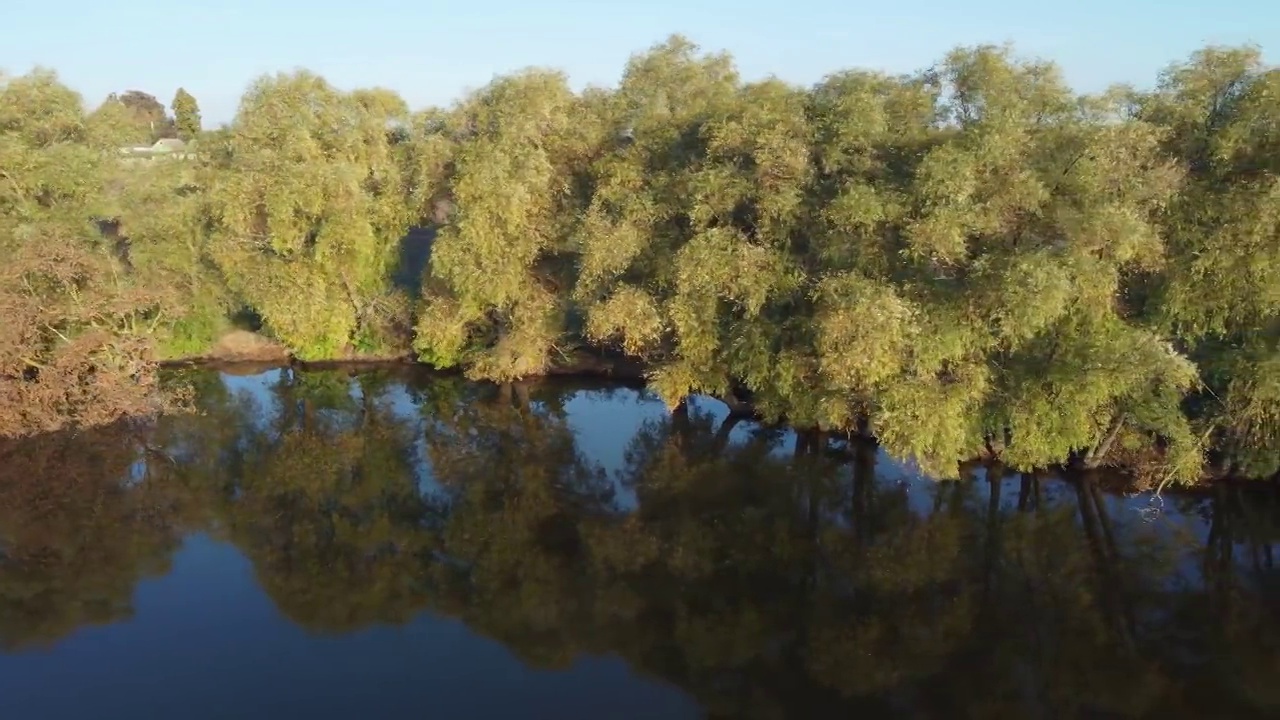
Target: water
<point x="396" y="546"/>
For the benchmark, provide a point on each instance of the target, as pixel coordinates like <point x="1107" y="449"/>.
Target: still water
<point x="321" y="545"/>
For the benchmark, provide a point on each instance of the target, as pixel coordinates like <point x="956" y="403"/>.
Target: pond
<point x="404" y="545"/>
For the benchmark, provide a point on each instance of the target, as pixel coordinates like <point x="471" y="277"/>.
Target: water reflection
<point x="669" y="563"/>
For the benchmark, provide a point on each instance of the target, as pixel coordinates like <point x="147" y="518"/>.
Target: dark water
<point x="316" y="546"/>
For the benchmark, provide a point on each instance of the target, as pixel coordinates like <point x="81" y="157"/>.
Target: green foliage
<point x="306" y="202"/>
<point x="491" y="299"/>
<point x="186" y="115"/>
<point x="971" y="258"/>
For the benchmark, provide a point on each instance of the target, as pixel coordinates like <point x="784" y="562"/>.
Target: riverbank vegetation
<point x="969" y="260"/>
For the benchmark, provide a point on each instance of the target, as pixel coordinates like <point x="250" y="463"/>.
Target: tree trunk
<point x="1099" y="453"/>
<point x="721" y="440"/>
<point x="736" y="405"/>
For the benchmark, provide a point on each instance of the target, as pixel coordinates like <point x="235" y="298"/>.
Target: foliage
<point x="148" y="119"/>
<point x="71" y="351"/>
<point x="970" y="259"/>
<point x="306" y="204"/>
<point x="186" y="115"/>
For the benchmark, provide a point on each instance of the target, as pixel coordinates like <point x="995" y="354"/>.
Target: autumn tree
<point x="149" y="118"/>
<point x="74" y="348"/>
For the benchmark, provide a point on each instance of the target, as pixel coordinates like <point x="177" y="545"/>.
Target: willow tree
<point x="492" y="301"/>
<point x="70" y="351"/>
<point x="1005" y="267"/>
<point x="309" y="202"/>
<point x="870" y="132"/>
<point x="1080" y="373"/>
<point x="158" y="213"/>
<point x="641" y="283"/>
<point x="1220" y="292"/>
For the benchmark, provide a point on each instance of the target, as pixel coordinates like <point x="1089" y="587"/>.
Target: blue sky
<point x="431" y="52"/>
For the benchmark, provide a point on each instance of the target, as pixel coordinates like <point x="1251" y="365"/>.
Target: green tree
<point x="1219" y="294"/>
<point x="307" y="202"/>
<point x="186" y="115"/>
<point x="972" y="259"/>
<point x="492" y="301"/>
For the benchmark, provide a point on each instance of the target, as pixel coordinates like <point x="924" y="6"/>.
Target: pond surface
<point x="382" y="545"/>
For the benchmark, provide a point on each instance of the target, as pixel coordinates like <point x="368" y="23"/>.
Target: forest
<point x="969" y="261"/>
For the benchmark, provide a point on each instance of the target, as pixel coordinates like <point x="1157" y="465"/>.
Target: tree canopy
<point x="972" y="259"/>
<point x="186" y="114"/>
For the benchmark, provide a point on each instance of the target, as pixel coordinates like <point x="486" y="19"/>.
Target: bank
<point x="245" y="353"/>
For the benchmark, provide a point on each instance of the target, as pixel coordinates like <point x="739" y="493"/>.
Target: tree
<point x="186" y="115"/>
<point x="307" y="202"/>
<point x="150" y="119"/>
<point x="972" y="259"/>
<point x="1219" y="294"/>
<point x="71" y="352"/>
<point x="489" y="303"/>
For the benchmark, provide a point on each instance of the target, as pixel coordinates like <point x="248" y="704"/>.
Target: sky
<point x="433" y="52"/>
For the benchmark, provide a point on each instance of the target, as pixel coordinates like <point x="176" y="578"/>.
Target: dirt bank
<point x="246" y="353"/>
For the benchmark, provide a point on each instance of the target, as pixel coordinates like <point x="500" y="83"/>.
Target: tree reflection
<point x="326" y="504"/>
<point x="768" y="574"/>
<point x="520" y="499"/>
<point x="80" y="524"/>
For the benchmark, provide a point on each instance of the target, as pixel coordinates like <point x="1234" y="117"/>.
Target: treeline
<point x="147" y="119"/>
<point x="970" y="260"/>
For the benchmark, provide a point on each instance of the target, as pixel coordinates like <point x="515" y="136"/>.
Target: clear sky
<point x="431" y="52"/>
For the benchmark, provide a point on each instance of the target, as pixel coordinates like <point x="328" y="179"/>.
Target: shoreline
<point x="584" y="364"/>
<point x="626" y="371"/>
